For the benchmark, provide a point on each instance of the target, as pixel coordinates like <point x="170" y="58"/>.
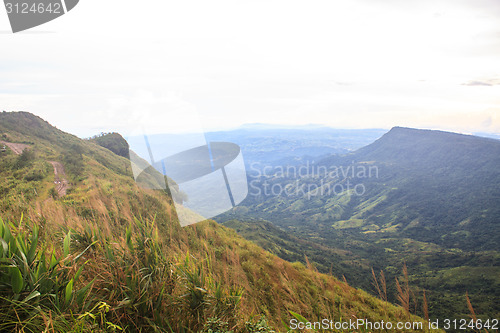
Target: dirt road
<point x="60" y="180"/>
<point x="17" y="148"/>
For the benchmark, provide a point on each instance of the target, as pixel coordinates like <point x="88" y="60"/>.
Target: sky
<point x="169" y="66"/>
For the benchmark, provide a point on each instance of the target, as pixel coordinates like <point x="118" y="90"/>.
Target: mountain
<point x="488" y="135"/>
<point x="430" y="199"/>
<point x="433" y="186"/>
<point x="264" y="126"/>
<point x="447" y="184"/>
<point x="89" y="250"/>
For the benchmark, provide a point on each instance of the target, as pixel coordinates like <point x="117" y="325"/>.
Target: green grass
<point x="346" y="224"/>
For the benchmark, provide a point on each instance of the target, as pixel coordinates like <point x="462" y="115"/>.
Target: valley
<point x="433" y="204"/>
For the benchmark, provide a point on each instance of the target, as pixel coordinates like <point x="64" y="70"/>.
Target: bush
<point x="259" y="326"/>
<point x="216" y="325"/>
<point x="38" y="172"/>
<point x="73" y="160"/>
<point x="25" y="159"/>
<point x="53" y="193"/>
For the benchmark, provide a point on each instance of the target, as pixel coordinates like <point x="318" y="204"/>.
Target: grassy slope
<point x="102" y="204"/>
<point x="445" y="274"/>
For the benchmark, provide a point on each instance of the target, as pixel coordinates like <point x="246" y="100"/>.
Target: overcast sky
<point x="117" y="65"/>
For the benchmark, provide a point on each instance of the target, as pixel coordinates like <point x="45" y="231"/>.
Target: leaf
<point x="16" y="280"/>
<point x="21" y="245"/>
<point x="6" y="234"/>
<point x="298" y="317"/>
<point x="68" y="292"/>
<point x="12" y="243"/>
<point x="33" y="294"/>
<point x="285" y="325"/>
<point x="82" y="293"/>
<point x="22" y="254"/>
<point x="5" y="246"/>
<point x="66" y="243"/>
<point x="41" y="268"/>
<point x="83" y="252"/>
<point x="79" y="272"/>
<point x="34" y="243"/>
<point x="2" y="227"/>
<point x="53" y="261"/>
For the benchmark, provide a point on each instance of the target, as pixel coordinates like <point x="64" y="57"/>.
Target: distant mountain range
<point x="264" y="145"/>
<point x="488" y="135"/>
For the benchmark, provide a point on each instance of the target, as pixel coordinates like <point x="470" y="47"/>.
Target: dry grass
<point x="404" y="290"/>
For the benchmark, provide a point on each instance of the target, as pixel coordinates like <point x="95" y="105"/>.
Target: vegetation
<point x="110" y="256"/>
<point x="114" y="142"/>
<point x="139" y="282"/>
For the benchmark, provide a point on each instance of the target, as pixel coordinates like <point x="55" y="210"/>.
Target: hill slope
<point x="145" y="272"/>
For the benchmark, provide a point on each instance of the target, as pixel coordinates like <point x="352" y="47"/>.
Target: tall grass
<point x="404" y="290"/>
<point x="34" y="279"/>
<point x="88" y="279"/>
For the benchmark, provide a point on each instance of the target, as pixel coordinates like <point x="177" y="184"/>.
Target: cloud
<point x="361" y="64"/>
<point x="484" y="83"/>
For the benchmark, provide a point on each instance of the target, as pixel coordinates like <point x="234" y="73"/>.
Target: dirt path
<point x="60" y="180"/>
<point x="17" y="148"/>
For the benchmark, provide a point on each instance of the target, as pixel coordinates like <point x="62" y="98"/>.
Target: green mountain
<point x="427" y="198"/>
<point x="446" y="185"/>
<point x="85" y="249"/>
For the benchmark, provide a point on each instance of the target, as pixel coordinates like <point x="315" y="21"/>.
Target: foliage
<point x="259" y="326"/>
<point x="73" y="160"/>
<point x="26" y="157"/>
<point x="114" y="142"/>
<point x="32" y="277"/>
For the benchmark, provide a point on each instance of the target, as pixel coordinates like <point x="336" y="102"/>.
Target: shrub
<point x="216" y="325"/>
<point x="259" y="326"/>
<point x="25" y="159"/>
<point x="53" y="193"/>
<point x="73" y="160"/>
